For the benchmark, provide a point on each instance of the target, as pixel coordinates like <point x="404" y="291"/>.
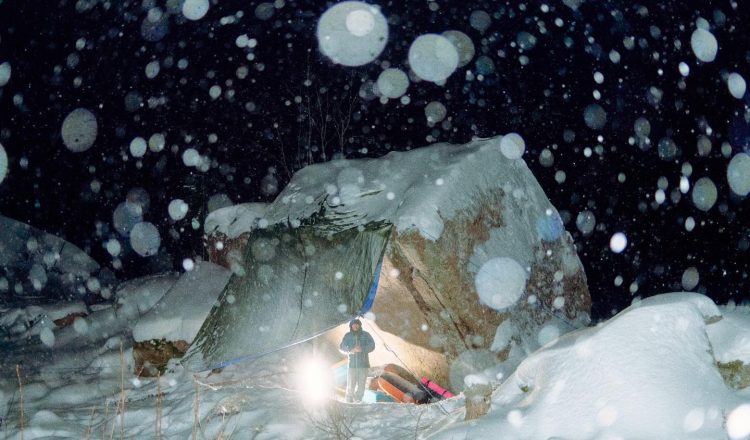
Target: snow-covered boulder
<point x="35" y="263"/>
<point x="476" y="244"/>
<point x="228" y="230"/>
<point x="134" y="298"/>
<point x="730" y="338"/>
<point x="167" y="330"/>
<point x="647" y="373"/>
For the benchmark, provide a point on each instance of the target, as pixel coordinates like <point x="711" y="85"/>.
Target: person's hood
<point x="355" y="321"/>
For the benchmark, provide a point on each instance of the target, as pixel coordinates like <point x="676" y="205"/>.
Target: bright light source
<point x="315" y="380"/>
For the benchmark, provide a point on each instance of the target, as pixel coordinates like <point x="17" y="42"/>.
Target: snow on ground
<point x="647" y="373"/>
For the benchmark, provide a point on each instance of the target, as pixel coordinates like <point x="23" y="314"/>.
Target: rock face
<point x="456" y="211"/>
<point x="37" y="264"/>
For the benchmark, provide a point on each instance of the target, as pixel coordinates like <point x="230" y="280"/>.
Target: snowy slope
<point x="647" y="373"/>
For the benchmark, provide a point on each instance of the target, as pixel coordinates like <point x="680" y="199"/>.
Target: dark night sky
<point x="93" y="54"/>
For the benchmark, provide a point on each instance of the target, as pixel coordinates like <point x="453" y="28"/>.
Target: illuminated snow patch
<point x="433" y="57"/>
<point x="352" y="33"/>
<point x="79" y="130"/>
<point x="500" y="282"/>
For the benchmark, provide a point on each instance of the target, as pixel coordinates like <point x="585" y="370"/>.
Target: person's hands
<point x="357" y="349"/>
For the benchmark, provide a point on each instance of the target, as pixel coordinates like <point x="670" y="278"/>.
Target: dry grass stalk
<point x="196" y="411"/>
<point x="158" y="405"/>
<point x="122" y="393"/>
<point x="20" y="391"/>
<point x="90" y="428"/>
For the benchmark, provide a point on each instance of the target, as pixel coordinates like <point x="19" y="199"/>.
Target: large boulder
<point x="478" y="265"/>
<point x="35" y="264"/>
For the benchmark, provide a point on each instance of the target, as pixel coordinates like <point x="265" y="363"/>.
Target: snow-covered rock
<point x="166" y="331"/>
<point x="41" y="264"/>
<point x="476" y="243"/>
<point x="180" y="313"/>
<point x="647" y="373"/>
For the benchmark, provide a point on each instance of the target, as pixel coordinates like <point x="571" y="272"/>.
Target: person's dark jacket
<point x="366" y="343"/>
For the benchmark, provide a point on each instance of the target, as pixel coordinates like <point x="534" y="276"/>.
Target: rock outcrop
<point x="460" y="214"/>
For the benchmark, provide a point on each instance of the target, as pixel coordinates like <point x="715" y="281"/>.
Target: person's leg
<point x="361" y="377"/>
<point x="351" y="383"/>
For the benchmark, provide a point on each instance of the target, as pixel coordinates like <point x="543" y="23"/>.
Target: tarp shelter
<point x="296" y="283"/>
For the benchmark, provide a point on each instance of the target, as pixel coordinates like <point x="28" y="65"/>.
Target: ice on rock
<point x="392" y="83"/>
<point x="195" y="9"/>
<point x="618" y="242"/>
<point x="352" y="33"/>
<point x="737" y="85"/>
<point x="145" y="239"/>
<point x="738" y="173"/>
<point x="690" y="278"/>
<point x="3" y="163"/>
<point x="435" y="112"/>
<point x="5" y="71"/>
<point x="79" y="130"/>
<point x="704" y="194"/>
<point x="704" y="45"/>
<point x="433" y="57"/>
<point x="500" y="282"/>
<point x="512" y="146"/>
<point x="138" y="147"/>
<point x="464" y="46"/>
<point x="177" y="209"/>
